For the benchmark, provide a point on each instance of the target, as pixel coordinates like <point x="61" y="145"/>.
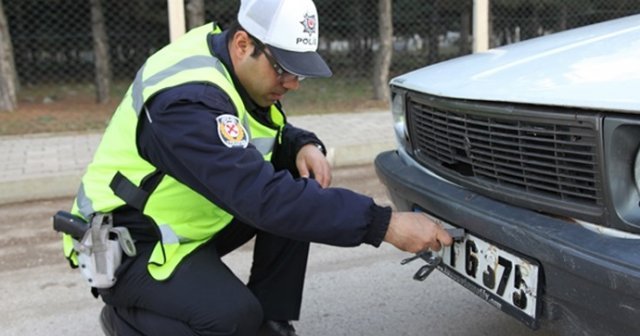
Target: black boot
<point x="106" y="321"/>
<point x="277" y="328"/>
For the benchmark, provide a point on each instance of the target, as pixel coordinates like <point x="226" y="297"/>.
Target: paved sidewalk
<point x="51" y="165"/>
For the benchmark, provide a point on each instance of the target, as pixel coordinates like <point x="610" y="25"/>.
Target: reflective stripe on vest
<point x="189" y="63"/>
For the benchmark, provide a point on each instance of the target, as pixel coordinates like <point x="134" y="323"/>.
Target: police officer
<point x="199" y="158"/>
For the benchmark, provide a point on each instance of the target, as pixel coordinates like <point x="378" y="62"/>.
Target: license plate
<point x="502" y="278"/>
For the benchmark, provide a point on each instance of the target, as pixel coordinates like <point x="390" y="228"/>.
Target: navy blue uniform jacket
<point x="179" y="137"/>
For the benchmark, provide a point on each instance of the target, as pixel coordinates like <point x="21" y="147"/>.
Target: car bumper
<point x="590" y="281"/>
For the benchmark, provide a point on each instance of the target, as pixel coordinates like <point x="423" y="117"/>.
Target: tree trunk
<point x="195" y="13"/>
<point x="434" y="30"/>
<point x="564" y="14"/>
<point x="8" y="78"/>
<point x="465" y="31"/>
<point x="356" y="42"/>
<point x="385" y="51"/>
<point x="101" y="52"/>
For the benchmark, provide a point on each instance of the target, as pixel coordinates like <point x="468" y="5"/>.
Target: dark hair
<point x="235" y="27"/>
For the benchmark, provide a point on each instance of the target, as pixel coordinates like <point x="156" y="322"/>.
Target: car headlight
<point x="399" y="118"/>
<point x="622" y="162"/>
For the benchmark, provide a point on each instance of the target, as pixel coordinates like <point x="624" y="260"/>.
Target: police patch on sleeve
<point x="231" y="132"/>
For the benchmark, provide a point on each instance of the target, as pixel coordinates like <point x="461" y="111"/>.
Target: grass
<point x="332" y="95"/>
<point x="72" y="107"/>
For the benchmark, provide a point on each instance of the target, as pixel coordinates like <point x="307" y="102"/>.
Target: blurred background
<point x="68" y="62"/>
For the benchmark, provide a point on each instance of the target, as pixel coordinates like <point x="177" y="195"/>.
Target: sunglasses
<point x="282" y="74"/>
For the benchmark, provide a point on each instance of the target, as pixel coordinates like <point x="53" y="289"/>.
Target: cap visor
<point x="307" y="64"/>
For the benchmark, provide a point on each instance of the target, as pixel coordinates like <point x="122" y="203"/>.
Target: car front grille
<point x="522" y="153"/>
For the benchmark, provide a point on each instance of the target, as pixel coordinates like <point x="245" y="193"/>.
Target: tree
<point x="195" y="13"/>
<point x="435" y="27"/>
<point x="8" y="77"/>
<point x="465" y="29"/>
<point x="382" y="60"/>
<point x="101" y="52"/>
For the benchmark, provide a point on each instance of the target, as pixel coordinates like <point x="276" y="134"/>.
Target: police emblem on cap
<point x="309" y="24"/>
<point x="231" y="132"/>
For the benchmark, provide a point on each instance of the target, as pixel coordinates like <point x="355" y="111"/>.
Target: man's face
<point x="257" y="73"/>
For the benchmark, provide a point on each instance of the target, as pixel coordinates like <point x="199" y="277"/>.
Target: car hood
<point x="594" y="67"/>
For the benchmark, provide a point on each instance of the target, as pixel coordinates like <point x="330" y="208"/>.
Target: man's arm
<point x="181" y="139"/>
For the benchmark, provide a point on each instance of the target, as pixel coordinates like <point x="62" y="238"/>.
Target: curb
<point x="47" y="187"/>
<point x="357" y="154"/>
<point x="51" y="165"/>
<point x="39" y="188"/>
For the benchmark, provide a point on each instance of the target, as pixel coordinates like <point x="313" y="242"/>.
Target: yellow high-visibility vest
<point x="184" y="218"/>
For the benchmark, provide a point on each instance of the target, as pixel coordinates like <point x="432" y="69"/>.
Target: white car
<point x="534" y="150"/>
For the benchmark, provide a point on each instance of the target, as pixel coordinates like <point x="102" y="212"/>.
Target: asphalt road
<point x="355" y="291"/>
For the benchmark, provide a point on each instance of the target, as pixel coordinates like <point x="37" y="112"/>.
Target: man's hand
<point x="414" y="232"/>
<point x="311" y="160"/>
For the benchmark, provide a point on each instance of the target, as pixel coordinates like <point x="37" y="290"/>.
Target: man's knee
<point x="241" y="316"/>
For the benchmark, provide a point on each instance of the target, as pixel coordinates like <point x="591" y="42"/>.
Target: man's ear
<point x="241" y="44"/>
